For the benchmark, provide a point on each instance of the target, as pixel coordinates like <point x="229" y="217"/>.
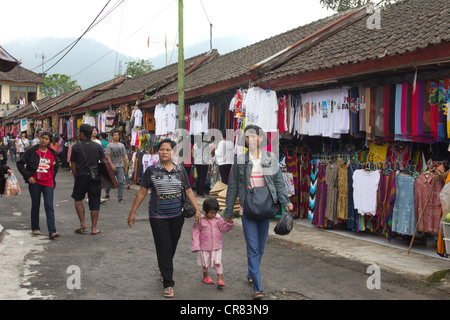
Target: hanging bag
<point x="12" y="188"/>
<point x="93" y="170"/>
<point x="188" y="208"/>
<point x="286" y="223"/>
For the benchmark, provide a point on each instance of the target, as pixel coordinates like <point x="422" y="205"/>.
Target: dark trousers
<point x="202" y="170"/>
<point x="224" y="171"/>
<point x="166" y="233"/>
<point x="35" y="193"/>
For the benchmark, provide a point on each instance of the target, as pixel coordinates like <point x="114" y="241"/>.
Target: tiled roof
<point x="237" y="63"/>
<point x="81" y="96"/>
<point x="405" y="26"/>
<point x="149" y="82"/>
<point x="20" y="74"/>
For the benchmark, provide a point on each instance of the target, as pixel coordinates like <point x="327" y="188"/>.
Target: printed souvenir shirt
<point x="165" y="200"/>
<point x="44" y="173"/>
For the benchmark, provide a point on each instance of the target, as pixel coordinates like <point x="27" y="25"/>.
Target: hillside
<point x="91" y="62"/>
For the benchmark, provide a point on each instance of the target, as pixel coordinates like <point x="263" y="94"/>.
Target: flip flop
<point x="80" y="230"/>
<point x="54" y="235"/>
<point x="94" y="233"/>
<point x="168" y="292"/>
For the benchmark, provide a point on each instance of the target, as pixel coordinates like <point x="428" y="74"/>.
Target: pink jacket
<point x="208" y="234"/>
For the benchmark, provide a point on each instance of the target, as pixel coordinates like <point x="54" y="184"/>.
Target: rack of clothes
<point x="358" y="191"/>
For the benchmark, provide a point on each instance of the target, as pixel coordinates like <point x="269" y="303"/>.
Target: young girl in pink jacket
<point x="207" y="240"/>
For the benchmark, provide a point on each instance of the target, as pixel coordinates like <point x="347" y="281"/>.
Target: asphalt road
<point x="120" y="263"/>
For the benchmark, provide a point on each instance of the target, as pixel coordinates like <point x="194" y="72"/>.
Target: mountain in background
<point x="91" y="62"/>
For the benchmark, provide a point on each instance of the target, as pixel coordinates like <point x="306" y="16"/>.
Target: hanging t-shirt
<point x="137" y="115"/>
<point x="261" y="108"/>
<point x="146" y="161"/>
<point x="198" y="116"/>
<point x="365" y="187"/>
<point x="44" y="173"/>
<point x="166" y="119"/>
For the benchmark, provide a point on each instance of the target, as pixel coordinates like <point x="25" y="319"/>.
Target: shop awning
<point x="7" y="61"/>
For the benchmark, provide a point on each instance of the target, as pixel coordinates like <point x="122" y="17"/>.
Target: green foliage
<point x="138" y="68"/>
<point x="342" y="5"/>
<point x="58" y="84"/>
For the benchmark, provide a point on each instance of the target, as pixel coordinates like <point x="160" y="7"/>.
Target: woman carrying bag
<point x="39" y="167"/>
<point x="165" y="208"/>
<point x="257" y="179"/>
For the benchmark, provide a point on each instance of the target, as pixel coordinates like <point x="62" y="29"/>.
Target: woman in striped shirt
<point x="165" y="208"/>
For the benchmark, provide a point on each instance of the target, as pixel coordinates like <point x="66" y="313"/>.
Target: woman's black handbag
<point x="258" y="204"/>
<point x="188" y="208"/>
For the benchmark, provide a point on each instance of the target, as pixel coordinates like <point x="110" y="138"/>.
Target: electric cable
<point x="78" y="38"/>
<point x="93" y="24"/>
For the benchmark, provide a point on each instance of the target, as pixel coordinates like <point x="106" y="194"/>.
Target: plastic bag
<point x="284" y="226"/>
<point x="12" y="187"/>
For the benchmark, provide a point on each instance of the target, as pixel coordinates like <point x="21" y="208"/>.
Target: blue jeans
<point x="255" y="233"/>
<point x="120" y="175"/>
<point x="35" y="193"/>
<point x="12" y="154"/>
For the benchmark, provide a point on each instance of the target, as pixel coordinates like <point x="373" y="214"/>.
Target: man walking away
<point x="84" y="162"/>
<point x="117" y="157"/>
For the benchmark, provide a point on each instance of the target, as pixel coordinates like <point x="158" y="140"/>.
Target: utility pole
<point x="180" y="67"/>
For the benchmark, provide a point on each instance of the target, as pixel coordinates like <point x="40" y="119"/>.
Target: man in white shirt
<point x="202" y="160"/>
<point x="36" y="140"/>
<point x="224" y="154"/>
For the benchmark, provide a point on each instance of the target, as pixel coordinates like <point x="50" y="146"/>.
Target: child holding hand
<point x="207" y="240"/>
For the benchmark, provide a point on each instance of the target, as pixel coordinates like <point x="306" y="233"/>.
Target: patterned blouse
<point x="165" y="200"/>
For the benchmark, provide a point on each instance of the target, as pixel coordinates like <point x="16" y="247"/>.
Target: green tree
<point x="342" y="5"/>
<point x="138" y="68"/>
<point x="58" y="84"/>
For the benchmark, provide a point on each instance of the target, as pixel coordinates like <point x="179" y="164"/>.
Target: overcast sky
<point x="129" y="27"/>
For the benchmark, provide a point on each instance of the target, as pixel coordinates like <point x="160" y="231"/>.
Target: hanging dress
<point x="385" y="203"/>
<point x="321" y="198"/>
<point x="292" y="166"/>
<point x="313" y="189"/>
<point x="342" y="206"/>
<point x="304" y="185"/>
<point x="352" y="212"/>
<point x="331" y="178"/>
<point x="403" y="216"/>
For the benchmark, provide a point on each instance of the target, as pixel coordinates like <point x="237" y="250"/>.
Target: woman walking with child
<point x="165" y="208"/>
<point x="257" y="171"/>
